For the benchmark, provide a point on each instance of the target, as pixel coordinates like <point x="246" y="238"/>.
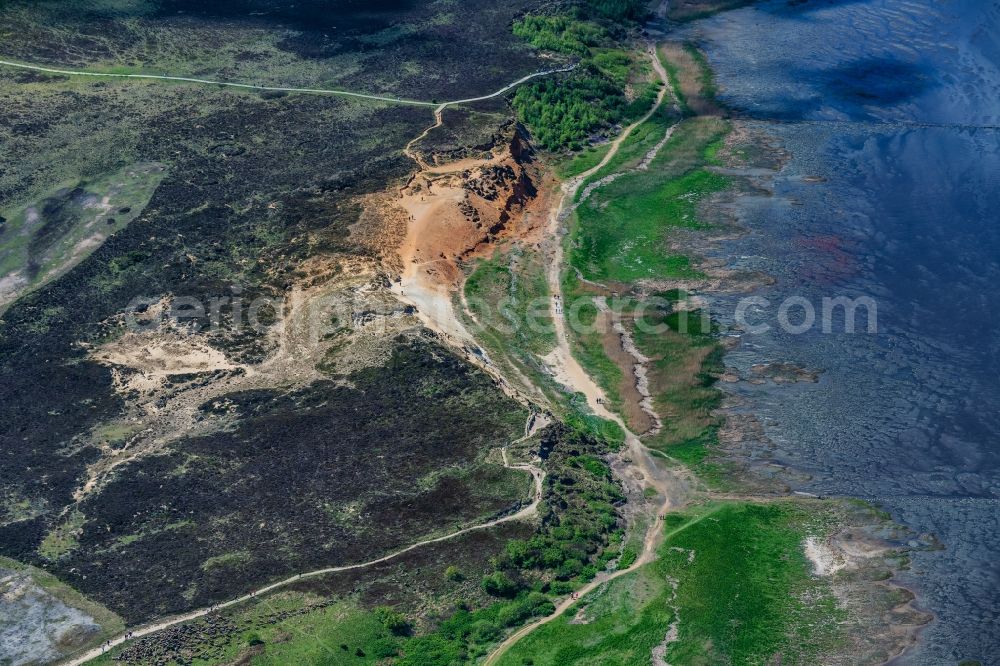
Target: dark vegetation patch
<point x="305" y="15"/>
<point x="450" y="601"/>
<point x="617" y="10"/>
<point x="565" y="113"/>
<point x="415" y="49"/>
<point x="217" y="220"/>
<point x="467" y="132"/>
<point x="254" y="187"/>
<point x="332" y="616"/>
<point x="57" y="219"/>
<point x="321" y="476"/>
<point x="224" y="216"/>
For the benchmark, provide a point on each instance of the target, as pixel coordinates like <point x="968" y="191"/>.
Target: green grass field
<point x="634" y="147"/>
<point x="620" y="232"/>
<point x="622" y="239"/>
<point x="618" y="624"/>
<point x="583" y="161"/>
<point x="340" y="633"/>
<point x="745" y="597"/>
<point x="620" y="235"/>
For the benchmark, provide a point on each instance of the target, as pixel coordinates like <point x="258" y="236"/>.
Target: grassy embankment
<point x="732" y="576"/>
<point x="620" y="237"/>
<point x="612" y="85"/>
<point x="509" y="302"/>
<point x="744" y="593"/>
<point x="585" y="160"/>
<point x="330" y="634"/>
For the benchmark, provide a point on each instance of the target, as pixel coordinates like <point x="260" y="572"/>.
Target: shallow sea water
<point x="896" y="105"/>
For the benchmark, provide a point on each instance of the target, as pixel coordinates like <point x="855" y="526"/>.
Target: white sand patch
<point x="825" y="559"/>
<point x="158" y="354"/>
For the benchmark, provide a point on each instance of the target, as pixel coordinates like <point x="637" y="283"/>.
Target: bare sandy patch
<point x="159" y="354"/>
<point x="825" y="559"/>
<point x="338" y="319"/>
<point x="454" y="213"/>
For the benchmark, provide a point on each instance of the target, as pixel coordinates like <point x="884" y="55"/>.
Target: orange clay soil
<point x="457" y="212"/>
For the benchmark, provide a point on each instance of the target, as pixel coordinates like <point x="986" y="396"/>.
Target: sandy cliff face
<point x="461" y="209"/>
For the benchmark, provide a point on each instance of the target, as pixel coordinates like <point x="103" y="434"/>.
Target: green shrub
<point x="569" y="569"/>
<point x="519" y="553"/>
<point x="592" y="465"/>
<point x="512" y="614"/>
<point x="559" y="33"/>
<point x="628" y="557"/>
<point x="431" y="650"/>
<point x="383" y="648"/>
<point x="499" y="584"/>
<point x="394" y="621"/>
<point x="486" y="631"/>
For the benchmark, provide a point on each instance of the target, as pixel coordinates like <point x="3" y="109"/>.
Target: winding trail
<point x="569" y="371"/>
<point x="408" y="149"/>
<point x="532" y="425"/>
<point x="439" y="106"/>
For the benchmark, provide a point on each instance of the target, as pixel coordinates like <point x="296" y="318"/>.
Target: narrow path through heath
<point x="569" y="371"/>
<point x="532" y="425"/>
<point x="313" y="91"/>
